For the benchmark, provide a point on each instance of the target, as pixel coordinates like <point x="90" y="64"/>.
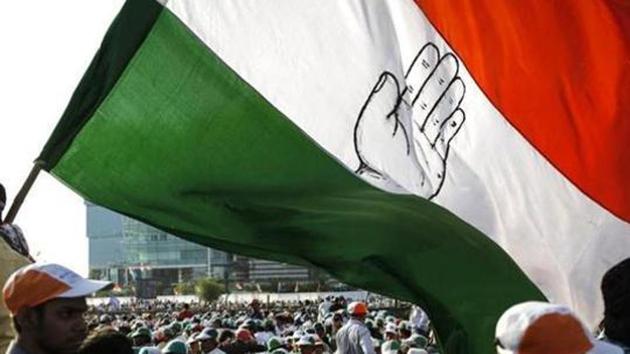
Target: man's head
<point x="616" y="292"/>
<point x="275" y="343"/>
<point x="337" y="322"/>
<point x="250" y="325"/>
<point x="56" y="326"/>
<point x="106" y="341"/>
<point x="307" y="344"/>
<point x="226" y="336"/>
<point x="47" y="304"/>
<point x="141" y="337"/>
<point x="391" y="332"/>
<point x="319" y="330"/>
<point x="539" y="327"/>
<point x="404" y="329"/>
<point x="216" y="323"/>
<point x="175" y="347"/>
<point x="244" y="335"/>
<point x="105" y="320"/>
<point x="208" y="340"/>
<point x="268" y="325"/>
<point x="358" y="310"/>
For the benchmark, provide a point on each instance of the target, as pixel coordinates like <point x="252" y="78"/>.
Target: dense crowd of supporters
<point x="277" y="327"/>
<point x="50" y="315"/>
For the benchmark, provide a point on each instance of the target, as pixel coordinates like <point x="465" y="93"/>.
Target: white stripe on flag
<point x="318" y="62"/>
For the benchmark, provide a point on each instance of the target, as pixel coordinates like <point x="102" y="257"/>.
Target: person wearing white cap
<point x="47" y="303"/>
<point x="542" y="328"/>
<point x="391" y="332"/>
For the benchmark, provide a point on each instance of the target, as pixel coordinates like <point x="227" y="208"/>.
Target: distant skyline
<point x="46" y="48"/>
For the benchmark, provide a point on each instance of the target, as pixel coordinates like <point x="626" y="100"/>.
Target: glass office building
<point x="125" y="251"/>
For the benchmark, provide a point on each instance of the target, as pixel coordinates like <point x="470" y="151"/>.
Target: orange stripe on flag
<point x="559" y="71"/>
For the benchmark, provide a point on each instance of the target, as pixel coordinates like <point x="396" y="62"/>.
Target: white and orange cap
<point x="543" y="328"/>
<point x="37" y="283"/>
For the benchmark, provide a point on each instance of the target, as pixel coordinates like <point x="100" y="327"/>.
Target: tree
<point x="208" y="289"/>
<point x="184" y="288"/>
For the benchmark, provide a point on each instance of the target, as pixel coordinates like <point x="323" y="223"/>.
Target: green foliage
<point x="208" y="289"/>
<point x="185" y="288"/>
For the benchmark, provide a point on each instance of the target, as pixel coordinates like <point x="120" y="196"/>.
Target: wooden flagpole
<point x="26" y="187"/>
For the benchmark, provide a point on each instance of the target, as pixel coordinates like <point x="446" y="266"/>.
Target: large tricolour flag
<point x="463" y="155"/>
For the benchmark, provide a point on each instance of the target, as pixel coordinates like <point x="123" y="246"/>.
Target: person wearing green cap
<point x="175" y="347"/>
<point x="274" y="344"/>
<point x="307" y="344"/>
<point x="188" y="328"/>
<point x="390" y="347"/>
<point x="162" y="336"/>
<point x="416" y="341"/>
<point x="141" y="337"/>
<point x="404" y="330"/>
<point x="178" y="334"/>
<point x="267" y="330"/>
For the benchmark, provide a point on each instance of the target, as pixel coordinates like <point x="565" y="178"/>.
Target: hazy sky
<point x="45" y="47"/>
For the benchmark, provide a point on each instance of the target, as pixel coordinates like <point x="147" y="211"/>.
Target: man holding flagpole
<point x="10" y="260"/>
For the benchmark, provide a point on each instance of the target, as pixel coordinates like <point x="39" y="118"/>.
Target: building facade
<point x="129" y="252"/>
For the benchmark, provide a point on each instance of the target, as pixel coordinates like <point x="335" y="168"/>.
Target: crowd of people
<point x="333" y="324"/>
<point x="50" y="315"/>
<point x="306" y="327"/>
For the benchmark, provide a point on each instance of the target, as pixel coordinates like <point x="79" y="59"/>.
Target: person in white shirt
<point x="354" y="337"/>
<point x="324" y="308"/>
<point x="419" y="319"/>
<point x="268" y="331"/>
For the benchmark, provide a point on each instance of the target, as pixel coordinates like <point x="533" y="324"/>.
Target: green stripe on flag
<point x="184" y="144"/>
<point x="123" y="38"/>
